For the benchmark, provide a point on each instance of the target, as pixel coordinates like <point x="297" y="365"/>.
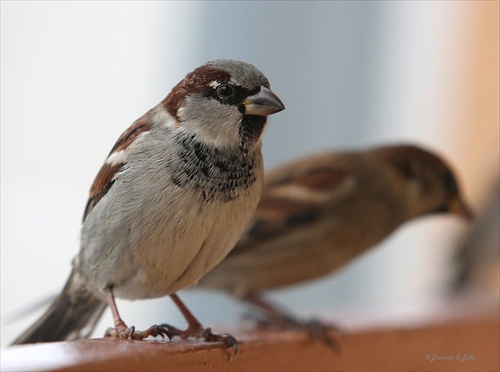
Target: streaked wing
<point x="292" y="200"/>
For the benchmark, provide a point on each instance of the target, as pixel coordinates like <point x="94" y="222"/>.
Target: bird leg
<point x="122" y="331"/>
<point x="277" y="318"/>
<point x="195" y="329"/>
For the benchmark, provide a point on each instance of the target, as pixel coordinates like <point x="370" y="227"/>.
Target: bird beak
<point x="263" y="103"/>
<point x="458" y="207"/>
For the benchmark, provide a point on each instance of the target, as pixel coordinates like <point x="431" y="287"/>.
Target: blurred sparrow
<point x="319" y="213"/>
<point x="171" y="200"/>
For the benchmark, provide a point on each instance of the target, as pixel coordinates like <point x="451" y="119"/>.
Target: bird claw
<point x="323" y="332"/>
<point x="152" y="331"/>
<point x="225" y="338"/>
<point x="203" y="333"/>
<point x="130" y="333"/>
<point x="119" y="332"/>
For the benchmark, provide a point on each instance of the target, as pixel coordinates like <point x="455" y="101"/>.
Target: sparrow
<point x="171" y="200"/>
<point x="319" y="213"/>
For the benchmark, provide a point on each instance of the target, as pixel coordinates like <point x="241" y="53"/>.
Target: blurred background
<point x="74" y="75"/>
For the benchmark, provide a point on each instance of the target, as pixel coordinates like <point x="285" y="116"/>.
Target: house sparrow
<point x="171" y="200"/>
<point x="319" y="213"/>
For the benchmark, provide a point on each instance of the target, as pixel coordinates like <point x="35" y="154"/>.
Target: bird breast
<point x="158" y="229"/>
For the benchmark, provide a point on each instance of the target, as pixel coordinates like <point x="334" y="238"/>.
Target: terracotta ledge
<point x="455" y="345"/>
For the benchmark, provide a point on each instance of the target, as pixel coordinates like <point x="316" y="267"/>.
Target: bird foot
<point x="129" y="333"/>
<point x="202" y="333"/>
<point x="327" y="333"/>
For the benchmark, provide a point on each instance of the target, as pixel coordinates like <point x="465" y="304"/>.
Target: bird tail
<point x="72" y="315"/>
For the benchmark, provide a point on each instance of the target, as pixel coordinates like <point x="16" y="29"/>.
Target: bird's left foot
<point x="129" y="333"/>
<point x="202" y="333"/>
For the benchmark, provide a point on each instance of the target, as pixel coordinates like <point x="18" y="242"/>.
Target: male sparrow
<point x="319" y="213"/>
<point x="171" y="200"/>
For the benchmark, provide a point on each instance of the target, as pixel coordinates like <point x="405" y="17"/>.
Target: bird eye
<point x="225" y="90"/>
